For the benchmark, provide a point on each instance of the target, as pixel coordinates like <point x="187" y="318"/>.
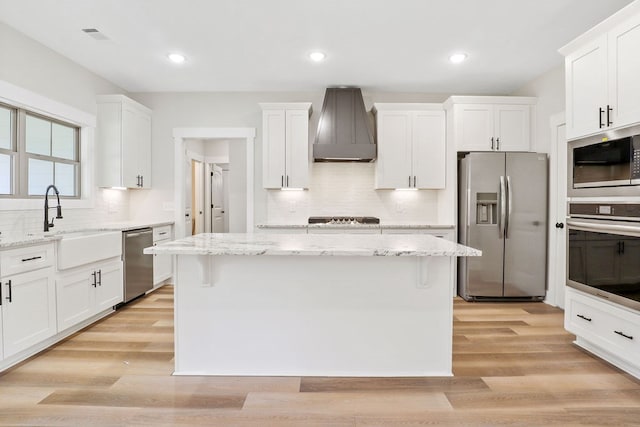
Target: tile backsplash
<point x="109" y="206"/>
<point x="346" y="189"/>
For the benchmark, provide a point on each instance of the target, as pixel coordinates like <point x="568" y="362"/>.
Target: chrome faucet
<point x="48" y="225"/>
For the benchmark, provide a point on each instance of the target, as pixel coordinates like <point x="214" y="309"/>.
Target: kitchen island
<point x="313" y="305"/>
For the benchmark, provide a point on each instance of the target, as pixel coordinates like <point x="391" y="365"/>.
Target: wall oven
<point x="605" y="164"/>
<point x="604" y="251"/>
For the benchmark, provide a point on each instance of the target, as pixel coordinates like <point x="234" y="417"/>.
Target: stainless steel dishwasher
<point x="138" y="267"/>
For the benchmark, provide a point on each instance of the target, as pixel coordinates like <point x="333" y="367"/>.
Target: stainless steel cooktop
<point x="350" y="220"/>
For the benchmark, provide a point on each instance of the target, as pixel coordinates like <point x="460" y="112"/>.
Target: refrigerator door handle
<point x="509" y="203"/>
<point x="503" y="213"/>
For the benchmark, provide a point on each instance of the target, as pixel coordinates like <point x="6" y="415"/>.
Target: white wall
<point x="549" y="88"/>
<point x="32" y="66"/>
<point x="228" y="109"/>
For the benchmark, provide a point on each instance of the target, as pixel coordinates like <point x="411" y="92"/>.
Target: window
<point x="36" y="151"/>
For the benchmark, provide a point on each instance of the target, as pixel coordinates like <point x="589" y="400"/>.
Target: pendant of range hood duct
<point x="344" y="130"/>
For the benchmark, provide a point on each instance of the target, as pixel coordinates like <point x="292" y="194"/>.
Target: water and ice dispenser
<point x="487" y="208"/>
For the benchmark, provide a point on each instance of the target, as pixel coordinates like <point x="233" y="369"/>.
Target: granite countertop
<point x="358" y="226"/>
<point x="313" y="244"/>
<point x="13" y="240"/>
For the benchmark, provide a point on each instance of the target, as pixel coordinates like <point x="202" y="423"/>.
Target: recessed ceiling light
<point x="176" y="58"/>
<point x="457" y="58"/>
<point x="317" y="56"/>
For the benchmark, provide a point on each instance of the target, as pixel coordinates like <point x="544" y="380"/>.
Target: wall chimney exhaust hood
<point x="344" y="131"/>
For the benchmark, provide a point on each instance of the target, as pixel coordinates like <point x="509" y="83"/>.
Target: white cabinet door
<point x="75" y="297"/>
<point x="586" y="89"/>
<point x="393" y="165"/>
<point x="624" y="69"/>
<point x="475" y="125"/>
<point x="143" y="131"/>
<point x="109" y="290"/>
<point x="28" y="310"/>
<point x="512" y="127"/>
<point x="428" y="149"/>
<point x="273" y="146"/>
<point x="297" y="149"/>
<point x="123" y="142"/>
<point x="130" y="151"/>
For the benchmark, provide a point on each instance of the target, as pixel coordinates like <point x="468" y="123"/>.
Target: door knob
<point x="559" y="225"/>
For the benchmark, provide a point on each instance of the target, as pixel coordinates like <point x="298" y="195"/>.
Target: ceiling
<point x="262" y="45"/>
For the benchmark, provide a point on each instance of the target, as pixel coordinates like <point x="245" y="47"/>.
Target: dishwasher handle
<point x="140" y="233"/>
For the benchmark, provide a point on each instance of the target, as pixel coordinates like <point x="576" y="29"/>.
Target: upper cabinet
<point x="123" y="142"/>
<point x="491" y="123"/>
<point x="601" y="71"/>
<point x="411" y="146"/>
<point x="285" y="145"/>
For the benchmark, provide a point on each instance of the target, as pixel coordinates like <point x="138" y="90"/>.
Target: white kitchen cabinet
<point x="162" y="264"/>
<point x="88" y="290"/>
<point x="485" y="123"/>
<point x="28" y="309"/>
<point x="285" y="145"/>
<point x="601" y="69"/>
<point x="123" y="142"/>
<point x="411" y="146"/>
<point x="604" y="328"/>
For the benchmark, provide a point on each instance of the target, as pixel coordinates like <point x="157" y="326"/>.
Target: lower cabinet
<point x="28" y="310"/>
<point x="162" y="264"/>
<point x="604" y="328"/>
<point x="88" y="290"/>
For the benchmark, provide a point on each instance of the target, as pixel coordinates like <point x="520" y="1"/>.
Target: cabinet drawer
<point x="162" y="233"/>
<point x="26" y="258"/>
<point x="615" y="329"/>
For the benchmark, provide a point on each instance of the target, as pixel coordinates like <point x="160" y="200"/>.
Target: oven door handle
<point x="604" y="228"/>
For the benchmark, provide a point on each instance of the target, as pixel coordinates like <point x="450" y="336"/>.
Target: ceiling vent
<point x="94" y="34"/>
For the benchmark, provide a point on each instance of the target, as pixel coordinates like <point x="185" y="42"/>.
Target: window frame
<point x="21" y="157"/>
<point x="12" y="152"/>
<point x="20" y="97"/>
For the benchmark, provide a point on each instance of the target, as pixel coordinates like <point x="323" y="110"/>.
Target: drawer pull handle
<point x="31" y="259"/>
<point x="622" y="334"/>
<point x="9" y="296"/>
<point x="162" y="233"/>
<point x="95" y="282"/>
<point x="588" y="319"/>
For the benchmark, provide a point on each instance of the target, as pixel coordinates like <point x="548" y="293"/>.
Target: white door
<point x="474" y="126"/>
<point x="429" y="149"/>
<point x="624" y="69"/>
<point x="28" y="310"/>
<point x="297" y="149"/>
<point x="217" y="200"/>
<point x="225" y="191"/>
<point x="393" y="168"/>
<point x="197" y="203"/>
<point x="187" y="195"/>
<point x="512" y="127"/>
<point x="557" y="212"/>
<point x="586" y="80"/>
<point x="109" y="290"/>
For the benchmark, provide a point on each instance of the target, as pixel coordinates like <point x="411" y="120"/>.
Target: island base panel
<point x="313" y="315"/>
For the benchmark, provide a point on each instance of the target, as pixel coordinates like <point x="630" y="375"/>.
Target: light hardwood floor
<point x="514" y="365"/>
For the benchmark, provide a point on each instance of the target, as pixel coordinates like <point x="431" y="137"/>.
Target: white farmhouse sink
<point x="84" y="247"/>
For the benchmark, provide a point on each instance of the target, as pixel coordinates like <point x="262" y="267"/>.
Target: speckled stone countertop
<point x="313" y="244"/>
<point x="356" y="226"/>
<point x="13" y="240"/>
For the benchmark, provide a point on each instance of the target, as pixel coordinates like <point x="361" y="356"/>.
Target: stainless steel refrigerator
<point x="502" y="205"/>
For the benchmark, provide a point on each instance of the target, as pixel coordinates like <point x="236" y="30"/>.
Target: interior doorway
<point x="242" y="191"/>
<point x="197" y="197"/>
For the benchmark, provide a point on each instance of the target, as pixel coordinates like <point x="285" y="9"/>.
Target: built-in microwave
<point x="605" y="165"/>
